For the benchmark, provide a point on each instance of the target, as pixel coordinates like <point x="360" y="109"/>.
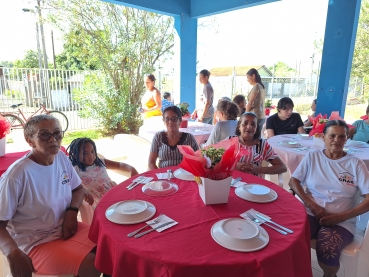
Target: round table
<point x="292" y="156"/>
<point x="200" y="131"/>
<point x="188" y="249"/>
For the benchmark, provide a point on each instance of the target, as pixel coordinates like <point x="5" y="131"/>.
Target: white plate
<point x="183" y="175"/>
<point x="256" y="193"/>
<point x="290" y="144"/>
<point x="239" y="235"/>
<point x="305" y="136"/>
<point x="130" y="212"/>
<point x="160" y="188"/>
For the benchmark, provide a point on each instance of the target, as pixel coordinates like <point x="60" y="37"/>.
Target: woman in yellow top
<point x="151" y="101"/>
<point x="256" y="96"/>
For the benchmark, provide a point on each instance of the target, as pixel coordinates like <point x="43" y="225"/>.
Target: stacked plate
<point x="183" y="175"/>
<point x="160" y="188"/>
<point x="239" y="235"/>
<point x="304" y="136"/>
<point x="290" y="144"/>
<point x="130" y="212"/>
<point x="256" y="193"/>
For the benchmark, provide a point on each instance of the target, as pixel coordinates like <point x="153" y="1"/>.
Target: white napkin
<point x="163" y="220"/>
<point x="253" y="213"/>
<point x="238" y="184"/>
<point x="162" y="176"/>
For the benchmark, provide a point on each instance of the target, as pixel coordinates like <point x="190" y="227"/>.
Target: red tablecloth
<point x="8" y="159"/>
<point x="188" y="249"/>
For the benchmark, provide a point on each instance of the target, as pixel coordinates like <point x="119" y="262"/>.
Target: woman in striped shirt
<point x="164" y="143"/>
<point x="248" y="136"/>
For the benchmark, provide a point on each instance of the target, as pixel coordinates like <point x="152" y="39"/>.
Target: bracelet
<point x="72" y="208"/>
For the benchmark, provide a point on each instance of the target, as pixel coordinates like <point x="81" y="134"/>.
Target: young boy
<point x="167" y="101"/>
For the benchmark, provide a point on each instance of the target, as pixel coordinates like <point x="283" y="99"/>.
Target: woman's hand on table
<point x="20" y="264"/>
<point x="70" y="224"/>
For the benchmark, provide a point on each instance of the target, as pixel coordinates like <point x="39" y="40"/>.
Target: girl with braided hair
<point x="92" y="169"/>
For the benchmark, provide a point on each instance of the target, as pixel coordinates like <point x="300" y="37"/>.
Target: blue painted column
<point x="338" y="50"/>
<point x="186" y="49"/>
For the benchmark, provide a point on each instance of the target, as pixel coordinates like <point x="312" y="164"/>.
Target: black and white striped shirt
<point x="170" y="155"/>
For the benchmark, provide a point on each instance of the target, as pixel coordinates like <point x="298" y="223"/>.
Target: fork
<point x="258" y="221"/>
<point x="235" y="181"/>
<point x="157" y="220"/>
<point x="138" y="180"/>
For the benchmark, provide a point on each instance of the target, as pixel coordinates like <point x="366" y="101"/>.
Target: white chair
<point x="279" y="180"/>
<point x="354" y="257"/>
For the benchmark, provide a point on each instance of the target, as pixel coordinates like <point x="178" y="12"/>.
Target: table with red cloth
<point x="188" y="249"/>
<point x="9" y="158"/>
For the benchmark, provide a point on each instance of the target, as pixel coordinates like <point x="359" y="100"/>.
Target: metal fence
<point x="55" y="88"/>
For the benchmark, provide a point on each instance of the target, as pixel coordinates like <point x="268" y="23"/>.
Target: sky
<point x="265" y="34"/>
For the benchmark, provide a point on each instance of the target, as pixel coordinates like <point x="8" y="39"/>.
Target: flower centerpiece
<point x="212" y="167"/>
<point x="185" y="114"/>
<point x="4" y="129"/>
<point x="319" y="123"/>
<point x="268" y="107"/>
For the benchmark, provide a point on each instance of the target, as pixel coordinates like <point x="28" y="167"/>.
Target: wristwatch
<point x="72" y="208"/>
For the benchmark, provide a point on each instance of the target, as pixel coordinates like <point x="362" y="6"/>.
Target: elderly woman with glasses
<point x="40" y="195"/>
<point x="164" y="143"/>
<point x="285" y="121"/>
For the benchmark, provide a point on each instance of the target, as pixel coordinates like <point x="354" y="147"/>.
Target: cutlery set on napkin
<point x="159" y="224"/>
<point x="139" y="180"/>
<point x="259" y="218"/>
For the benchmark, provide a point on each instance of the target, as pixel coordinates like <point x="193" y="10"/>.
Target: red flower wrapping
<point x="195" y="163"/>
<point x="364" y="117"/>
<point x="318" y="127"/>
<point x="4" y="127"/>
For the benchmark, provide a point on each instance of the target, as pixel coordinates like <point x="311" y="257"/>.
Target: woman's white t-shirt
<point x="333" y="183"/>
<point x="34" y="198"/>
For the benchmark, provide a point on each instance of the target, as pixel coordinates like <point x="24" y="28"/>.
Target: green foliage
<point x="268" y="103"/>
<point x="304" y="108"/>
<point x="14" y="94"/>
<point x="92" y="134"/>
<point x="30" y="60"/>
<point x="111" y="108"/>
<point x="124" y="43"/>
<point x="282" y="70"/>
<point x="184" y="108"/>
<point x="7" y="64"/>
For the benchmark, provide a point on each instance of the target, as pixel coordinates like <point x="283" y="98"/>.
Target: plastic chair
<point x="279" y="181"/>
<point x="354" y="257"/>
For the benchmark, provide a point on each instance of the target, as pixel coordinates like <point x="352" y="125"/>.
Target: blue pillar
<point x="338" y="50"/>
<point x="186" y="46"/>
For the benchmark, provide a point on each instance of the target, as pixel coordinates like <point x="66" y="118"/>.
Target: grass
<point x="92" y="134"/>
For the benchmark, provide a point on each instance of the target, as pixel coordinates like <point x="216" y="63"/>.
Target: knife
<point x="153" y="229"/>
<point x="137" y="180"/>
<point x="268" y="220"/>
<point x="141" y="181"/>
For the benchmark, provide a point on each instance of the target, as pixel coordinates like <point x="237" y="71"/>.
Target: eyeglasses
<point x="173" y="119"/>
<point x="45" y="136"/>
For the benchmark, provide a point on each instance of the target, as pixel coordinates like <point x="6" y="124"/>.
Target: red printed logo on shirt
<point x="65" y="178"/>
<point x="347" y="178"/>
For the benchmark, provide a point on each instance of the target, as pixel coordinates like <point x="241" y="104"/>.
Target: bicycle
<point x="18" y="123"/>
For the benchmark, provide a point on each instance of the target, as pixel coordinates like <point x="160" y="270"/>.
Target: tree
<point x="282" y="70"/>
<point x="126" y="42"/>
<point x="8" y="64"/>
<point x="30" y="60"/>
<point x="360" y="63"/>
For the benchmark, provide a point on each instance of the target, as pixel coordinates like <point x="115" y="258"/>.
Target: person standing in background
<point x="256" y="96"/>
<point x="151" y="101"/>
<point x="208" y="93"/>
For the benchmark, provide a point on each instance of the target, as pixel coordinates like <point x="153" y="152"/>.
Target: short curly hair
<point x="257" y="132"/>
